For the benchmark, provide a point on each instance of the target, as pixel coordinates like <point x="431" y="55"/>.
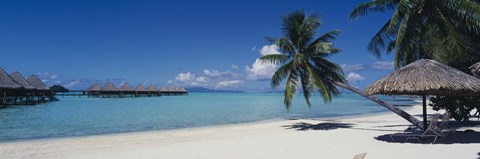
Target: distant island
<point x="207" y="90"/>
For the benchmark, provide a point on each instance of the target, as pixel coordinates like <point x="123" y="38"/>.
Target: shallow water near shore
<point x="90" y="116"/>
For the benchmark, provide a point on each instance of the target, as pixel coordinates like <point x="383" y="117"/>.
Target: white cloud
<point x="269" y="49"/>
<point x="201" y="79"/>
<point x="185" y="77"/>
<point x="262" y="70"/>
<point x="71" y="84"/>
<point x="209" y="78"/>
<point x="353" y="67"/>
<point x="227" y="84"/>
<point x="254" y="48"/>
<point x="212" y="73"/>
<point x="49" y="78"/>
<point x="354" y="77"/>
<point x="377" y="65"/>
<point x="234" y="66"/>
<point x="382" y="65"/>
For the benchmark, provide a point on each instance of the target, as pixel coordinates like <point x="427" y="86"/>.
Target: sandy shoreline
<point x="317" y="138"/>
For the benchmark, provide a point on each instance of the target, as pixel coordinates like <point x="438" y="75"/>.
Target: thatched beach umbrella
<point x="17" y="77"/>
<point x="475" y="68"/>
<point x="109" y="87"/>
<point x="426" y="77"/>
<point x="37" y="83"/>
<point x="126" y="88"/>
<point x="6" y="82"/>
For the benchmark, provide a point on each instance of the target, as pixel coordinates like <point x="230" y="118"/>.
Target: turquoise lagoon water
<point x="91" y="116"/>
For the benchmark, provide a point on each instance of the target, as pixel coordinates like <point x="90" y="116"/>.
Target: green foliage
<point x="444" y="30"/>
<point x="58" y="88"/>
<point x="459" y="106"/>
<point x="303" y="59"/>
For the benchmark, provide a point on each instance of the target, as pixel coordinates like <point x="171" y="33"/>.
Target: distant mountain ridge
<point x="207" y="90"/>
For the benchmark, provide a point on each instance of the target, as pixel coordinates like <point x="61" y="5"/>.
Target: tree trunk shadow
<point x="302" y="126"/>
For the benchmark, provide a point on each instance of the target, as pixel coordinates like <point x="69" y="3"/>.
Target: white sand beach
<point x="286" y="139"/>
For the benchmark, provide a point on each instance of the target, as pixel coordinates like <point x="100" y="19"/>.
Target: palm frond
<point x="367" y="8"/>
<point x="381" y="40"/>
<point x="275" y="58"/>
<point x="290" y="89"/>
<point x="281" y="74"/>
<point x="306" y="87"/>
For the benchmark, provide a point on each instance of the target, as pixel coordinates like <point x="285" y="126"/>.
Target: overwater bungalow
<point x="183" y="91"/>
<point x="140" y="91"/>
<point x="152" y="91"/>
<point x="25" y="96"/>
<point x="163" y="91"/>
<point x="126" y="90"/>
<point x="109" y="90"/>
<point x="180" y="91"/>
<point x="8" y="88"/>
<point x="94" y="90"/>
<point x="42" y="91"/>
<point x="173" y="91"/>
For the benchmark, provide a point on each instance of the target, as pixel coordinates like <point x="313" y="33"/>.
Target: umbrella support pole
<point x="424" y="99"/>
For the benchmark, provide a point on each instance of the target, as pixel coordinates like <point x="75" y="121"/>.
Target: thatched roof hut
<point x="183" y="90"/>
<point x="6" y="82"/>
<point x="109" y="87"/>
<point x="140" y="88"/>
<point x="170" y="90"/>
<point x="426" y="77"/>
<point x="125" y="88"/>
<point x="36" y="82"/>
<point x="94" y="87"/>
<point x="178" y="89"/>
<point x="163" y="89"/>
<point x="152" y="88"/>
<point x="17" y="77"/>
<point x="475" y="68"/>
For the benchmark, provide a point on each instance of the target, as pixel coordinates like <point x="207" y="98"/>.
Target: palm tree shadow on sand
<point x="459" y="137"/>
<point x="302" y="126"/>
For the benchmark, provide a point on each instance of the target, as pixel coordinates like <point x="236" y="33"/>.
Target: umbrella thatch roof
<point x="17" y="77"/>
<point x="110" y="87"/>
<point x="170" y="90"/>
<point x="140" y="88"/>
<point x="7" y="82"/>
<point x="475" y="68"/>
<point x="426" y="77"/>
<point x="94" y="87"/>
<point x="152" y="88"/>
<point x="126" y="87"/>
<point x="36" y="82"/>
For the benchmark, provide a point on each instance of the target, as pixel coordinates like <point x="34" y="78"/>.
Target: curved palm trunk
<point x="389" y="106"/>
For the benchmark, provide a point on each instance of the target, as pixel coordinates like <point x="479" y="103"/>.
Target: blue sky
<point x="206" y="43"/>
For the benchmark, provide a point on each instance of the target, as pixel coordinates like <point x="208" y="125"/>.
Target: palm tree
<point x="444" y="30"/>
<point x="304" y="58"/>
<point x="304" y="62"/>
